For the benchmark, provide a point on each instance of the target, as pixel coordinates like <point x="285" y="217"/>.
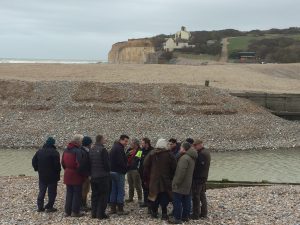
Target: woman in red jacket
<point x="73" y="179"/>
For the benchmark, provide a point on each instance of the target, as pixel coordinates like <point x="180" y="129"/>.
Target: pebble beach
<point x="274" y="205"/>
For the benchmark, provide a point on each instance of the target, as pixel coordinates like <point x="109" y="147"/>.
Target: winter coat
<point x="159" y="169"/>
<point x="202" y="166"/>
<point x="145" y="152"/>
<point x="183" y="178"/>
<point x="100" y="165"/>
<point x="118" y="159"/>
<point x="133" y="159"/>
<point x="46" y="162"/>
<point x="71" y="159"/>
<point x="84" y="167"/>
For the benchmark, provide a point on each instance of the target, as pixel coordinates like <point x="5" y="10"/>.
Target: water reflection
<point x="276" y="166"/>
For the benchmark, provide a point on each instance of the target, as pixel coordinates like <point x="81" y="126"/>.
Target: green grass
<point x="242" y="43"/>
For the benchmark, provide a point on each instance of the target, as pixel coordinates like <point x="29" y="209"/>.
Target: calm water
<point x="275" y="166"/>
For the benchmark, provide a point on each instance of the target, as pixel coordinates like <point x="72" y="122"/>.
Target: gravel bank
<point x="31" y="111"/>
<point x="276" y="205"/>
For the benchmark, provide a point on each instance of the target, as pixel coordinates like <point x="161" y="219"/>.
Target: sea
<point x="51" y="61"/>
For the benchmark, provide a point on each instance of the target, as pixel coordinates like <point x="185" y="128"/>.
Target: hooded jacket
<point x="71" y="160"/>
<point x="183" y="178"/>
<point x="46" y="163"/>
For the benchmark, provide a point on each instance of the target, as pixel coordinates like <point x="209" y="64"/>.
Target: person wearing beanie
<point x="46" y="162"/>
<point x="182" y="183"/>
<point x="159" y="169"/>
<point x="85" y="170"/>
<point x="73" y="178"/>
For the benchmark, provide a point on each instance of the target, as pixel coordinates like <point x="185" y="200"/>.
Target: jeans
<point x="100" y="195"/>
<point x="117" y="188"/>
<point x="199" y="195"/>
<point x="134" y="182"/>
<point x="182" y="206"/>
<point x="73" y="199"/>
<point x="52" y="192"/>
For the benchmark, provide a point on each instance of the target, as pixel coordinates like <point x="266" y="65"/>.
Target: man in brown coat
<point x="159" y="167"/>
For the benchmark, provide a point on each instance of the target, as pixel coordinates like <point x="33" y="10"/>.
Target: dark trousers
<point x="182" y="206"/>
<point x="146" y="193"/>
<point x="199" y="196"/>
<point x="73" y="199"/>
<point x="100" y="196"/>
<point x="52" y="192"/>
<point x="162" y="200"/>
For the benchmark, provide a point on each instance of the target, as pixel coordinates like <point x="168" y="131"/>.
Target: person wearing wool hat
<point x="46" y="162"/>
<point x="159" y="169"/>
<point x="85" y="169"/>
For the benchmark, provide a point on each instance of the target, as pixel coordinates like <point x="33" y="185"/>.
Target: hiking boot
<point x="41" y="210"/>
<point x="121" y="211"/>
<point x="164" y="216"/>
<point x="104" y="217"/>
<point x="149" y="210"/>
<point x="185" y="219"/>
<point x="77" y="214"/>
<point x="195" y="217"/>
<point x="51" y="210"/>
<point x="67" y="215"/>
<point x="129" y="200"/>
<point x="113" y="208"/>
<point x="174" y="221"/>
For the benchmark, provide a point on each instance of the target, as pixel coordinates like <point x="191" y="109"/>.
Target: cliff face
<point x="139" y="51"/>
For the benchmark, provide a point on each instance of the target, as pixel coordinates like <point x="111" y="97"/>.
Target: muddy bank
<point x="31" y="111"/>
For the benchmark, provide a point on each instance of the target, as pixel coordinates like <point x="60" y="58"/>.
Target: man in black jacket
<point x="100" y="178"/>
<point x="118" y="165"/>
<point x="199" y="181"/>
<point x="47" y="162"/>
<point x="146" y="149"/>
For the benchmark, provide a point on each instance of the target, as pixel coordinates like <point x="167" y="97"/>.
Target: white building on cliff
<point x="181" y="40"/>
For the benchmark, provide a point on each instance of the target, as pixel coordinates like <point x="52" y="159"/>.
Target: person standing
<point x="182" y="183"/>
<point x="134" y="155"/>
<point x="46" y="162"/>
<point x="71" y="161"/>
<point x="174" y="147"/>
<point x="146" y="149"/>
<point x="85" y="170"/>
<point x="118" y="165"/>
<point x="199" y="181"/>
<point x="100" y="178"/>
<point x="159" y="169"/>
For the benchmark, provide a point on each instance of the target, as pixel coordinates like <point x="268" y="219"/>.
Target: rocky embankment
<point x="31" y="111"/>
<point x="139" y="51"/>
<point x="274" y="205"/>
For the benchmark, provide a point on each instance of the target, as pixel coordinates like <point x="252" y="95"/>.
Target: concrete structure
<point x="283" y="105"/>
<point x="180" y="40"/>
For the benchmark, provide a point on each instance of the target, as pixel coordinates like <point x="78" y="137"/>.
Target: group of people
<point x="169" y="172"/>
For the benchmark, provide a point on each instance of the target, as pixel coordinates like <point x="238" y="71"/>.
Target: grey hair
<point x="135" y="141"/>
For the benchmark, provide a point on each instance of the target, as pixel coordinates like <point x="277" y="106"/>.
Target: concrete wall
<point x="280" y="104"/>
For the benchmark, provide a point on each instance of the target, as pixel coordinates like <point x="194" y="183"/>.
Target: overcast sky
<point x="86" y="29"/>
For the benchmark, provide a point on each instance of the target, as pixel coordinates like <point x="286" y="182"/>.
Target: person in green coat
<point x="182" y="183"/>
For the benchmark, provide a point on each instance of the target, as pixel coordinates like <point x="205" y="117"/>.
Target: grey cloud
<point x="87" y="29"/>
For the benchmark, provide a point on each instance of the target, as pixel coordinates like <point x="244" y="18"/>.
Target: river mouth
<point x="281" y="165"/>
